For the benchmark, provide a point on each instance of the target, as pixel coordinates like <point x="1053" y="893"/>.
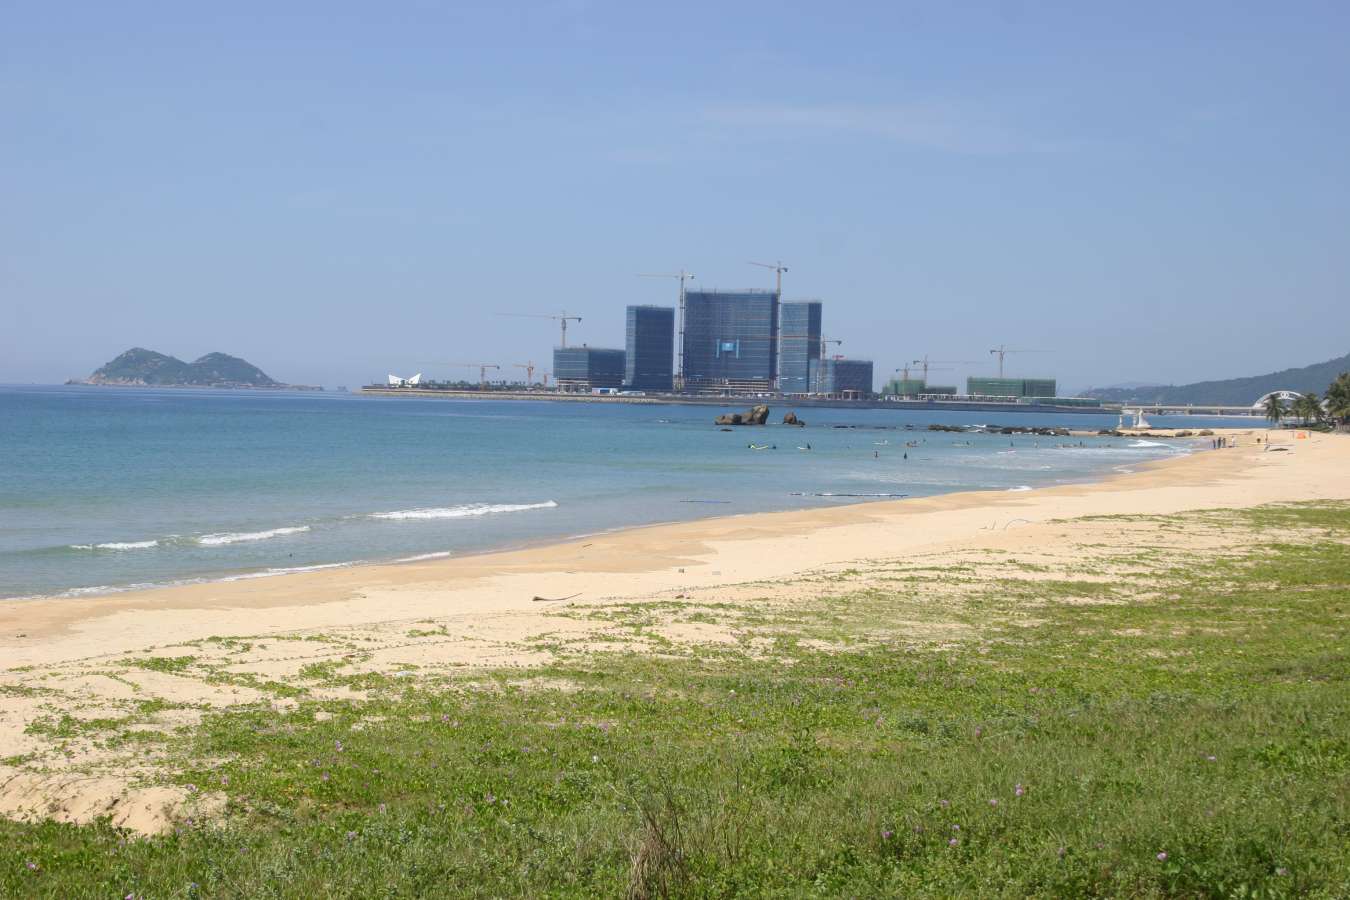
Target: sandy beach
<point x="80" y="656"/>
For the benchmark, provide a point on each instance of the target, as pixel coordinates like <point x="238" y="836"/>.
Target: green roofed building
<point x="904" y="387"/>
<point x="1010" y="387"/>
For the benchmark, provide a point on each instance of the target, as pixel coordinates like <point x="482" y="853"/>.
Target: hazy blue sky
<point x="338" y="190"/>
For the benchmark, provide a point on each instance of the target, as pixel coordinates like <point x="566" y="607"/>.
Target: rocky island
<point x="139" y="367"/>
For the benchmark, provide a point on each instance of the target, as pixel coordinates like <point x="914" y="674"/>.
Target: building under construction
<point x="799" y="344"/>
<point x="649" y="361"/>
<point x="1010" y="387"/>
<point x="584" y="369"/>
<point x="730" y="341"/>
<point x="842" y="378"/>
<point x="916" y="387"/>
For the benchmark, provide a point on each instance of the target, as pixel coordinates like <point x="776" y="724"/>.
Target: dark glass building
<point x="650" y="359"/>
<point x="585" y="368"/>
<point x="851" y="377"/>
<point x="730" y="340"/>
<point x="799" y="344"/>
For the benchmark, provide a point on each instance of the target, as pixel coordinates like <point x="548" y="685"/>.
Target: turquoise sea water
<point x="104" y="488"/>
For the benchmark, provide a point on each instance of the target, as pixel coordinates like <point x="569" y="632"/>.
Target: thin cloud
<point x="927" y="126"/>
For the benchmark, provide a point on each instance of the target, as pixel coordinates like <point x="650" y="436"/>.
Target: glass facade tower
<point x="730" y="340"/>
<point x="650" y="358"/>
<point x="799" y="344"/>
<point x="842" y="376"/>
<point x="586" y="368"/>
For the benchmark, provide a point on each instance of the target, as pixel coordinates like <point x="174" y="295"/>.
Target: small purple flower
<point x="445" y="718"/>
<point x="192" y="789"/>
<point x="956" y="828"/>
<point x="979" y="732"/>
<point x="32" y="866"/>
<point x="338" y="746"/>
<point x="384" y="807"/>
<point x="1281" y="871"/>
<point x="993" y="802"/>
<point x="351" y="835"/>
<point x="886" y="834"/>
<point x="918" y="829"/>
<point x="323" y="777"/>
<point x="225" y="779"/>
<point x="944" y="803"/>
<point x="1060" y="852"/>
<point x="953" y="842"/>
<point x="1019" y="790"/>
<point x="1162" y="857"/>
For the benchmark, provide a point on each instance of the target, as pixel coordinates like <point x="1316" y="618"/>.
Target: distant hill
<point x="1233" y="391"/>
<point x="139" y="366"/>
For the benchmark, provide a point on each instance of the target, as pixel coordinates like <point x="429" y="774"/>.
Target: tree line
<point x="1334" y="407"/>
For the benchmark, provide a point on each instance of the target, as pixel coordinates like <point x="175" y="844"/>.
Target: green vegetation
<point x="141" y="366"/>
<point x="1183" y="730"/>
<point x="1338" y="398"/>
<point x="1275" y="409"/>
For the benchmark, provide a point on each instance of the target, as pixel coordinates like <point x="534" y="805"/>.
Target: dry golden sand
<point x="87" y="658"/>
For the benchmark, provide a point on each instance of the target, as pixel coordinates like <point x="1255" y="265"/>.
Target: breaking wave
<point x="117" y="545"/>
<point x="424" y="556"/>
<point x="235" y="537"/>
<point x="462" y="512"/>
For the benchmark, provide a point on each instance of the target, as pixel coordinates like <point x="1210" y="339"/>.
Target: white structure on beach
<point x="1139" y="420"/>
<point x="395" y="381"/>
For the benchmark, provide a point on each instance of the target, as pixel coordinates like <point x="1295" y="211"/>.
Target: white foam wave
<point x="424" y="556"/>
<point x="117" y="545"/>
<point x="235" y="537"/>
<point x="461" y="512"/>
<point x="1019" y="488"/>
<point x="291" y="570"/>
<point x="1149" y="444"/>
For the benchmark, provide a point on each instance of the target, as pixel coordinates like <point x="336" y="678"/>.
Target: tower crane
<point x="1002" y="350"/>
<point x="820" y="373"/>
<point x="481" y="367"/>
<point x="560" y="319"/>
<point x="778" y="269"/>
<point x="683" y="276"/>
<point x="529" y="371"/>
<point x="482" y="370"/>
<point x="927" y="363"/>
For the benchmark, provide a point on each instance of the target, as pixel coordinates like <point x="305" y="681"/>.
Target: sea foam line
<point x="234" y="537"/>
<point x="117" y="545"/>
<point x="442" y="554"/>
<point x="461" y="512"/>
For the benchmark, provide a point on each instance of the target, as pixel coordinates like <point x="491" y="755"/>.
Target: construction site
<point x="714" y="345"/>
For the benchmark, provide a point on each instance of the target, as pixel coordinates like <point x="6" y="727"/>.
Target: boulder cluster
<point x="758" y="415"/>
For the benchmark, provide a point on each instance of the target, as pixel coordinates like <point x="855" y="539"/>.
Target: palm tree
<point x="1275" y="410"/>
<point x="1309" y="407"/>
<point x="1338" y="398"/>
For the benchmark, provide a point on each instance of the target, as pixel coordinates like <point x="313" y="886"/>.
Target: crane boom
<point x="1002" y="350"/>
<point x="561" y="319"/>
<point x="778" y="269"/>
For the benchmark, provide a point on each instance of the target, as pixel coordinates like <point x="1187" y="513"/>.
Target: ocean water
<point x="108" y="489"/>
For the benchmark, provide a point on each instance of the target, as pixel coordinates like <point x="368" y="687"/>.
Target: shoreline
<point x="1186" y="437"/>
<point x="84" y="677"/>
<point x="645" y="560"/>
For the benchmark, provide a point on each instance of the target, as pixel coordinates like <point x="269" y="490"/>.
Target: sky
<point x="1148" y="192"/>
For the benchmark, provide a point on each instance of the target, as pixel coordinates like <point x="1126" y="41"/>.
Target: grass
<point x="1185" y="734"/>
